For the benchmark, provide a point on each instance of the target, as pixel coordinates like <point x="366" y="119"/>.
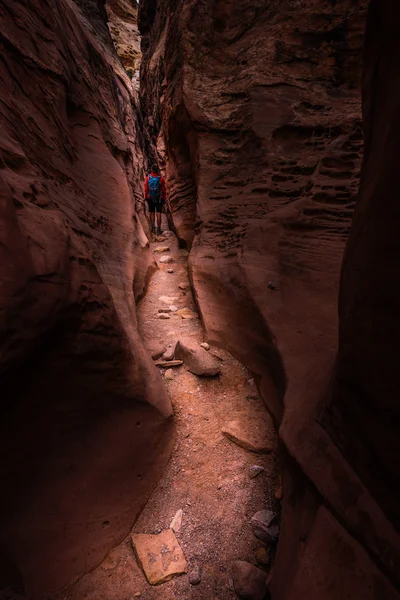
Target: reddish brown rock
<point x="85" y="430"/>
<point x="256" y="109"/>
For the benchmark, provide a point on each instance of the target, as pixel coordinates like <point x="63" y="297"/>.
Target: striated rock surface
<point x="85" y="427"/>
<point x="255" y="106"/>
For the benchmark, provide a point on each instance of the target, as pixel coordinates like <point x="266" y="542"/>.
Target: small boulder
<point x="272" y="286"/>
<point x="195" y="575"/>
<point x="249" y="582"/>
<point x="166" y="259"/>
<point x="197" y="359"/>
<point x="205" y="346"/>
<point x="164" y="310"/>
<point x="163" y="316"/>
<point x="170" y="271"/>
<point x="173" y="308"/>
<point x="265" y="526"/>
<point x="162" y="249"/>
<point x="255" y="470"/>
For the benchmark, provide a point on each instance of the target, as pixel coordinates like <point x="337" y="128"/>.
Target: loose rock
<point x="162" y="249"/>
<point x="165" y="364"/>
<point x="163" y="316"/>
<point x="169" y="374"/>
<point x="165" y="260"/>
<point x="160" y="556"/>
<point x="186" y="313"/>
<point x="197" y="359"/>
<point x="205" y="346"/>
<point x="164" y="310"/>
<point x="265" y="526"/>
<point x="195" y="575"/>
<point x="170" y="271"/>
<point x="169" y="354"/>
<point x="255" y="470"/>
<point x="272" y="285"/>
<point x="262" y="557"/>
<point x="173" y="308"/>
<point x="183" y="286"/>
<point x="253" y="440"/>
<point x="176" y="522"/>
<point x="250" y="583"/>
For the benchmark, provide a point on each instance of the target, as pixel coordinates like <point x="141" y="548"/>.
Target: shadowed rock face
<point x="255" y="108"/>
<point x="85" y="429"/>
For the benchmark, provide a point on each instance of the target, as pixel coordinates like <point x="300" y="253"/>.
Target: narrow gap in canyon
<point x="222" y="470"/>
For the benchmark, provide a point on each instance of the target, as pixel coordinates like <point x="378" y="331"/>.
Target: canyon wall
<point x="122" y="22"/>
<point x="86" y="428"/>
<point x="255" y="109"/>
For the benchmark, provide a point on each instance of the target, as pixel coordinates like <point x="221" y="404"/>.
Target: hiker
<point x="155" y="196"/>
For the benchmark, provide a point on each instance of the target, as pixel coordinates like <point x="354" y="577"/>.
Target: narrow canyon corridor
<point x="210" y="412"/>
<point x="209" y="477"/>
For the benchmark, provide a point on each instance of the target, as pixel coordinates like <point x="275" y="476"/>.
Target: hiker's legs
<point x="159" y="220"/>
<point x="152" y="213"/>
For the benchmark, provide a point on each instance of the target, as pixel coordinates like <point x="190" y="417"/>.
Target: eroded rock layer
<point x="255" y="109"/>
<point x="85" y="418"/>
<point x="122" y="21"/>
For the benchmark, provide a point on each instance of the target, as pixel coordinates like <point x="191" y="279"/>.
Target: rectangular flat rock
<point x="160" y="556"/>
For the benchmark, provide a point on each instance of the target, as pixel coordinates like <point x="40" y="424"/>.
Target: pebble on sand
<point x="176" y="522"/>
<point x="165" y="260"/>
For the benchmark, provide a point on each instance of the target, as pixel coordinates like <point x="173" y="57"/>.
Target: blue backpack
<point x="155" y="188"/>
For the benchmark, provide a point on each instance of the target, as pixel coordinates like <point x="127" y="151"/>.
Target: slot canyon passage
<point x="209" y="413"/>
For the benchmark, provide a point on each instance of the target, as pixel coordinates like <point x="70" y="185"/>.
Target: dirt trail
<point x="207" y="476"/>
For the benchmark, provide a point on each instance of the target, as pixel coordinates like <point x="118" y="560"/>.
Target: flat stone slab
<point x="247" y="437"/>
<point x="162" y="249"/>
<point x="166" y="364"/>
<point x="160" y="556"/>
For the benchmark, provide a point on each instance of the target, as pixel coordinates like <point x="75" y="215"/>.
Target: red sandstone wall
<point x="256" y="108"/>
<point x="85" y="430"/>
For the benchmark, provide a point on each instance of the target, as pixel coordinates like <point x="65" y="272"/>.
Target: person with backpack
<point x="155" y="196"/>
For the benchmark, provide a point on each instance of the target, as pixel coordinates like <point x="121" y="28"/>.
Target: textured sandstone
<point x="122" y="22"/>
<point x="85" y="430"/>
<point x="255" y="108"/>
